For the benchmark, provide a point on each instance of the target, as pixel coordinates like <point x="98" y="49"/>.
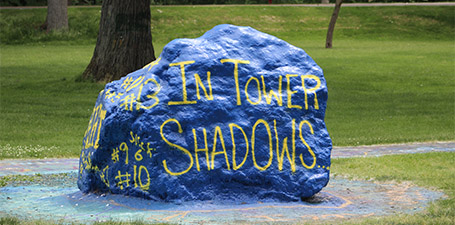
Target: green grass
<point x="41" y="104"/>
<point x="389" y="92"/>
<point x="431" y="170"/>
<point x="388" y="81"/>
<point x="391" y="79"/>
<point x="288" y="23"/>
<point x="373" y="98"/>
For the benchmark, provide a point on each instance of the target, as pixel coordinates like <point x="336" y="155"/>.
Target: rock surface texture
<point x="235" y="114"/>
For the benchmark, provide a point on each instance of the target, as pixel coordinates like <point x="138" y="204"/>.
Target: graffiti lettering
<point x="310" y="84"/>
<point x="305" y="128"/>
<point x="92" y="134"/>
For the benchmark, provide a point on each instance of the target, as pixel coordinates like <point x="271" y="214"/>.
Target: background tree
<point x="124" y="41"/>
<point x="333" y="20"/>
<point x="57" y="15"/>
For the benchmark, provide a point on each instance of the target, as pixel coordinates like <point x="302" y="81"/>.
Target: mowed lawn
<point x="390" y="75"/>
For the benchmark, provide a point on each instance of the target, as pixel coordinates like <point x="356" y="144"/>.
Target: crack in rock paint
<point x="234" y="114"/>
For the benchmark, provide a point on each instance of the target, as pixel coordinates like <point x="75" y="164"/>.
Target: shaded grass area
<point x="288" y="23"/>
<point x="303" y="23"/>
<point x="430" y="170"/>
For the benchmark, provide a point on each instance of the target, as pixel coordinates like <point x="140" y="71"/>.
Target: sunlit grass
<point x="379" y="92"/>
<point x="41" y="104"/>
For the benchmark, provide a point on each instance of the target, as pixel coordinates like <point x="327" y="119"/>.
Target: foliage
<point x="24" y="26"/>
<point x="202" y="2"/>
<point x="240" y="2"/>
<point x="44" y="2"/>
<point x="23" y="3"/>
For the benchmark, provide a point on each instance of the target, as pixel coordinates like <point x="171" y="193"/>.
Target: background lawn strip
<point x="379" y="92"/>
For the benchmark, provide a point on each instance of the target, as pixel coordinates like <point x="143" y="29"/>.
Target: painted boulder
<point x="234" y="114"/>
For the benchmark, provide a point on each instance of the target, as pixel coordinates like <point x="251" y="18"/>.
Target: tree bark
<point x="124" y="41"/>
<point x="57" y="15"/>
<point x="333" y="20"/>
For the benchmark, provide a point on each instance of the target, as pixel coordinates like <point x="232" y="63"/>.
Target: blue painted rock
<point x="234" y="114"/>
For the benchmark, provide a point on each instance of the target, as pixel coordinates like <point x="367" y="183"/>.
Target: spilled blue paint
<point x="341" y="199"/>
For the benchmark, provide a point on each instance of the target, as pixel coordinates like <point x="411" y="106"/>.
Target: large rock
<point x="234" y="114"/>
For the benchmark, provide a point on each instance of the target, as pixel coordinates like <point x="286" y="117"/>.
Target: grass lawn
<point x="431" y="170"/>
<point x="373" y="97"/>
<point x="391" y="79"/>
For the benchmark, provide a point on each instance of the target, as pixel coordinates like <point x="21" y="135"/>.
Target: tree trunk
<point x="328" y="42"/>
<point x="57" y="15"/>
<point x="325" y="2"/>
<point x="124" y="41"/>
